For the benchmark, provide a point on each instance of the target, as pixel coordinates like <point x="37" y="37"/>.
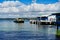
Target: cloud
<point x="46" y="7"/>
<point x="11" y="6"/>
<point x="17" y="7"/>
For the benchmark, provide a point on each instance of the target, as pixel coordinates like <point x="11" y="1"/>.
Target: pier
<point x="53" y="19"/>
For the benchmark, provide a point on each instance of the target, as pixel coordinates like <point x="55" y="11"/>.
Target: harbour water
<point x="26" y="31"/>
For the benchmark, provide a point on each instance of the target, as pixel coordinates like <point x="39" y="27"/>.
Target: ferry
<point x="43" y="20"/>
<point x="53" y="19"/>
<point x="47" y="20"/>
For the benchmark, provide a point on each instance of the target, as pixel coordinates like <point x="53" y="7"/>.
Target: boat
<point x="19" y="20"/>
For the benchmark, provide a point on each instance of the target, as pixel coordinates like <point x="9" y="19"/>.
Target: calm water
<point x="26" y="31"/>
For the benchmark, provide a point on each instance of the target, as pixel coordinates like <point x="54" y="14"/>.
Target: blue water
<point x="26" y="31"/>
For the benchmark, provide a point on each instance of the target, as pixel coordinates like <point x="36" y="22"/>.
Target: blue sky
<point x="37" y="1"/>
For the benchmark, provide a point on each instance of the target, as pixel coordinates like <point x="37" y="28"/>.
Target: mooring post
<point x="57" y="23"/>
<point x="57" y="28"/>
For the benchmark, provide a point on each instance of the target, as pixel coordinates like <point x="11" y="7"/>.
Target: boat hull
<point x="19" y="21"/>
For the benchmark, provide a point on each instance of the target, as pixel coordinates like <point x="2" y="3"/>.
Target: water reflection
<point x="26" y="31"/>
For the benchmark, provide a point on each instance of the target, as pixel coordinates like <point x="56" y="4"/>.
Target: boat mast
<point x="33" y="7"/>
<point x="34" y="1"/>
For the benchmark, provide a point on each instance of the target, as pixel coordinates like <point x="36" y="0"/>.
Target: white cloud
<point x="47" y="7"/>
<point x="11" y="6"/>
<point x="16" y="6"/>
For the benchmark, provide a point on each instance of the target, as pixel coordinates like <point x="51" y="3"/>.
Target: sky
<point x="26" y="7"/>
<point x="30" y="1"/>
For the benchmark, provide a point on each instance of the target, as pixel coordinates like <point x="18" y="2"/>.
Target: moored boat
<point x="19" y="20"/>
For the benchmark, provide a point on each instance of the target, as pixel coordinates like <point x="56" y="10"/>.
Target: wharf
<point x="43" y="22"/>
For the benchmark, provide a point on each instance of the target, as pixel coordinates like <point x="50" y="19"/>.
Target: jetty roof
<point x="55" y="13"/>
